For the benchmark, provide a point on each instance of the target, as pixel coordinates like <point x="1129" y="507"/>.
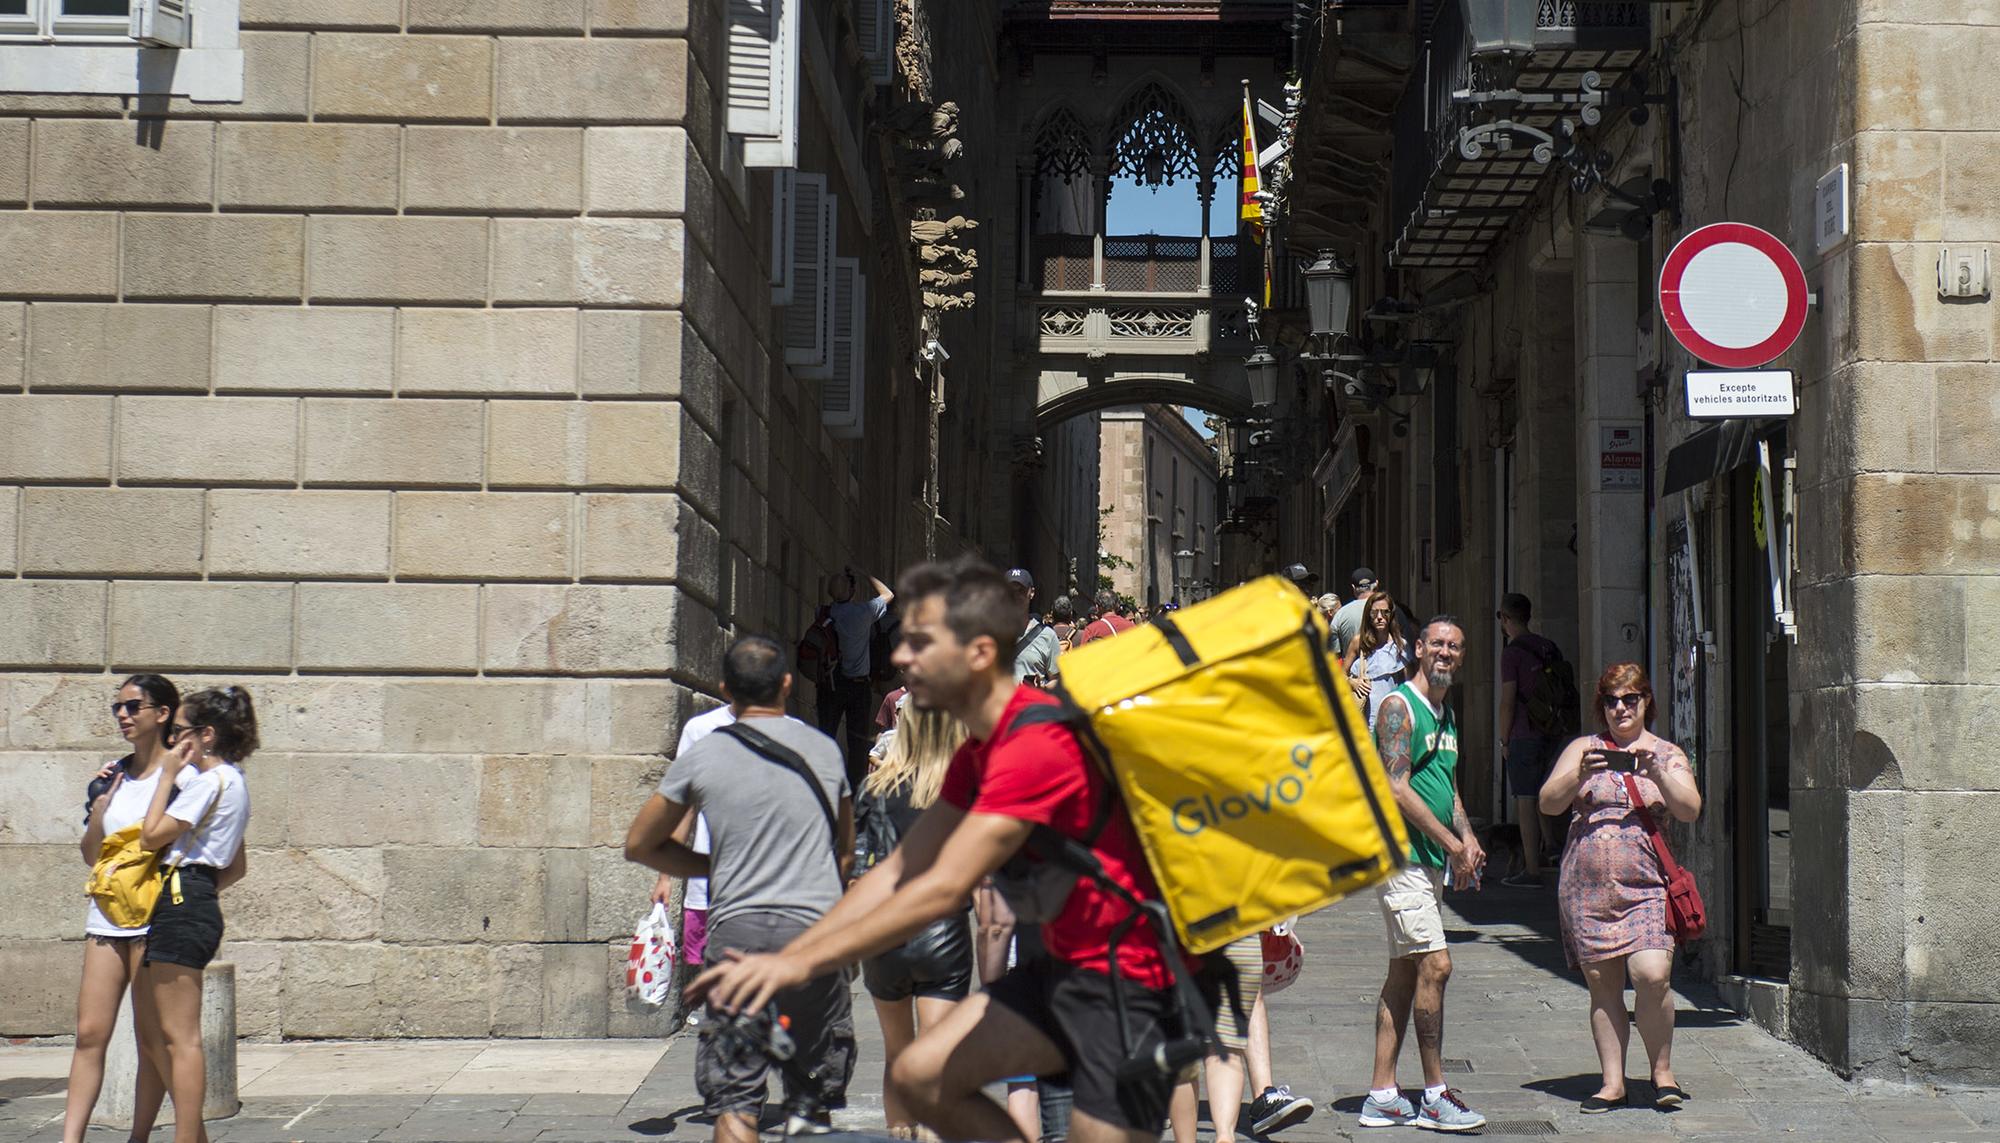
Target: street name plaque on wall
<point x="1759" y="393"/>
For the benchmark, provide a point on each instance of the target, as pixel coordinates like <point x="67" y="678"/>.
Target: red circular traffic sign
<point x="1734" y="295"/>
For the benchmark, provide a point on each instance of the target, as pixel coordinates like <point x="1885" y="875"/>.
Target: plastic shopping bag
<point x="649" y="966"/>
<point x="1284" y="956"/>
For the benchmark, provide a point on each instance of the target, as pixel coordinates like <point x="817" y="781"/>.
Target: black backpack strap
<point x="1028" y="637"/>
<point x="764" y="746"/>
<point x="1052" y="844"/>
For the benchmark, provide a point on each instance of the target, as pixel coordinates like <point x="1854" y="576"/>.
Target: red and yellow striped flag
<point x="1251" y="210"/>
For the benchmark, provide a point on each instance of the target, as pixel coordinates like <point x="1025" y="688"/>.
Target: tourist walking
<point x="200" y="812"/>
<point x="847" y="699"/>
<point x="1418" y="740"/>
<point x="1106" y="623"/>
<point x="913" y="986"/>
<point x="1612" y="889"/>
<point x="781" y="853"/>
<point x="1036" y="651"/>
<point x="1346" y="623"/>
<point x="1527" y="745"/>
<point x="116" y="800"/>
<point x="1378" y="659"/>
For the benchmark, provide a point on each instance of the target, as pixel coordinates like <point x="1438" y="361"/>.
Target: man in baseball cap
<point x="1347" y="621"/>
<point x="1035" y="652"/>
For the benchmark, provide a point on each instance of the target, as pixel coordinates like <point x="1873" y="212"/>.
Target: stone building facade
<point x="1810" y="594"/>
<point x="430" y="382"/>
<point x="1159" y="496"/>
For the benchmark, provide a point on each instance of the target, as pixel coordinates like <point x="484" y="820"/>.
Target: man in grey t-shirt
<point x="850" y="697"/>
<point x="1036" y="651"/>
<point x="1347" y="621"/>
<point x="775" y="865"/>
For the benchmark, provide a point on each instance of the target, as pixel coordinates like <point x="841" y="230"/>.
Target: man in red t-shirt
<point x="1052" y="1015"/>
<point x="1107" y="623"/>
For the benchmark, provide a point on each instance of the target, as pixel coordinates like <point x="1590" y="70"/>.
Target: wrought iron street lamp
<point x="1500" y="27"/>
<point x="1329" y="296"/>
<point x="1261" y="370"/>
<point x="1183" y="572"/>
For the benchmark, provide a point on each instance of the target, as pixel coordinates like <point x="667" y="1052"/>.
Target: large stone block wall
<point x="409" y="393"/>
<point x="1897" y="560"/>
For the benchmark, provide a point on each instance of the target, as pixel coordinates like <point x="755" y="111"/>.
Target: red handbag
<point x="1687" y="917"/>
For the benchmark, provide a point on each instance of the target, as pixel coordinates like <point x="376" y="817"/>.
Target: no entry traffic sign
<point x="1734" y="295"/>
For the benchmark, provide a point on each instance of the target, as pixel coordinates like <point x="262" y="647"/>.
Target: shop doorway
<point x="1761" y="795"/>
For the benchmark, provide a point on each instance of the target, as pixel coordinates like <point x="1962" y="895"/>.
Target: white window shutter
<point x="163" y="23"/>
<point x="875" y="26"/>
<point x="753" y="86"/>
<point x="842" y="395"/>
<point x="809" y="315"/>
<point x="763" y="88"/>
<point x="782" y="231"/>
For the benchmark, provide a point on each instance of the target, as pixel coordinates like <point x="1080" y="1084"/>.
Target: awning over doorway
<point x="1712" y="452"/>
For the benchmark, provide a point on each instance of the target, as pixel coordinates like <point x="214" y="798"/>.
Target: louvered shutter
<point x="163" y="23"/>
<point x="809" y="313"/>
<point x="763" y="87"/>
<point x="753" y="82"/>
<point x="875" y="26"/>
<point x="781" y="237"/>
<point x="842" y="395"/>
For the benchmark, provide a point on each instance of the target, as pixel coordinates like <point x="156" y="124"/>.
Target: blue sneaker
<point x="1397" y="1112"/>
<point x="1448" y="1113"/>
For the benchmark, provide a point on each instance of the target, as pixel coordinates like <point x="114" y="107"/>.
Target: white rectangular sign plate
<point x="1759" y="393"/>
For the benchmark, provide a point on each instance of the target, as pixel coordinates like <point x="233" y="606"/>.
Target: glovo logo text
<point x="1193" y="815"/>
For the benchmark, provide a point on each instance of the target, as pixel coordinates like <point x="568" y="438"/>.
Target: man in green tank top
<point x="1418" y="740"/>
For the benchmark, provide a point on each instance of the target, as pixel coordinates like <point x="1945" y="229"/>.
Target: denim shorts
<point x="190" y="933"/>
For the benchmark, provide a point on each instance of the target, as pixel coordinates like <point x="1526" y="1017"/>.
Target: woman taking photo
<point x="201" y="832"/>
<point x="1378" y="660"/>
<point x="1613" y="896"/>
<point x="913" y="986"/>
<point x="117" y="799"/>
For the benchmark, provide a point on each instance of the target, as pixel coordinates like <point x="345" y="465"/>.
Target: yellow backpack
<point x="126" y="880"/>
<point x="1245" y="764"/>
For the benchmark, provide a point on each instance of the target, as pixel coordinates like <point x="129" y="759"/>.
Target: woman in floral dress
<point x="1612" y="893"/>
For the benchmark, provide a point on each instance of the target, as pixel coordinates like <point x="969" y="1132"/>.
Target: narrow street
<point x="1516" y="1042"/>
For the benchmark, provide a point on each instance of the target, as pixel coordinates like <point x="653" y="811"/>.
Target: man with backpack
<point x="1036" y="650"/>
<point x="1538" y="717"/>
<point x="834" y="654"/>
<point x="1018" y="772"/>
<point x="1106" y="623"/>
<point x="781" y="854"/>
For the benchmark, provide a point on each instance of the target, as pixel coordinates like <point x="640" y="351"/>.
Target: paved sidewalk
<point x="1515" y="1029"/>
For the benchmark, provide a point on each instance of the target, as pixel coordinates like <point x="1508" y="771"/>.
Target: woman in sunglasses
<point x="201" y="831"/>
<point x="117" y="799"/>
<point x="1378" y="659"/>
<point x="1613" y="897"/>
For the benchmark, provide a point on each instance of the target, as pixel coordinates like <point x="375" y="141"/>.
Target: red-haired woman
<point x="1613" y="895"/>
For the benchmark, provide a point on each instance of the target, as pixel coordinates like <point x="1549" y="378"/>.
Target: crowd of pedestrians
<point x="924" y="864"/>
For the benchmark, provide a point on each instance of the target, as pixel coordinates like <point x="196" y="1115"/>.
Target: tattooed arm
<point x="1394" y="733"/>
<point x="1474" y="855"/>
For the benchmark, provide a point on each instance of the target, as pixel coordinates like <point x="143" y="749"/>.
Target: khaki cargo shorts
<point x="1410" y="907"/>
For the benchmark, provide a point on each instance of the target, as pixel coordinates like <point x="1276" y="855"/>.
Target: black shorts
<point x="935" y="963"/>
<point x="1073" y="1007"/>
<point x="821" y="1023"/>
<point x="189" y="933"/>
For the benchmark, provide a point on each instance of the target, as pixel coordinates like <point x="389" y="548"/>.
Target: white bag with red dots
<point x="649" y="966"/>
<point x="1284" y="956"/>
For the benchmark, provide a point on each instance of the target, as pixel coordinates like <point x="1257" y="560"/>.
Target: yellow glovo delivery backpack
<point x="1245" y="764"/>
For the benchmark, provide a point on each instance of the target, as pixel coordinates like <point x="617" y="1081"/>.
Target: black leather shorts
<point x="936" y="962"/>
<point x="189" y="933"/>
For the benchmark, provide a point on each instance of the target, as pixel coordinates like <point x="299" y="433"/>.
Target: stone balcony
<point x="1099" y="296"/>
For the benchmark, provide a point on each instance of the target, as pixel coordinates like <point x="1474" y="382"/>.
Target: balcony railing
<point x="1143" y="294"/>
<point x="1453" y="199"/>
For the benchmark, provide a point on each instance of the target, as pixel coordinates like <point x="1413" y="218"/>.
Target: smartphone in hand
<point x="1621" y="761"/>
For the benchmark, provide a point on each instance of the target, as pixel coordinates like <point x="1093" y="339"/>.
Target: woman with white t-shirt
<point x="117" y="799"/>
<point x="201" y="832"/>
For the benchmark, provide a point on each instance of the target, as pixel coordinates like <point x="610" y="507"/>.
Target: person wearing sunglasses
<point x="201" y="832"/>
<point x="117" y="799"/>
<point x="1378" y="659"/>
<point x="1612" y="893"/>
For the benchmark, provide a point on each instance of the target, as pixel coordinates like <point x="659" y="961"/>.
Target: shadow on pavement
<point x="665" y="1124"/>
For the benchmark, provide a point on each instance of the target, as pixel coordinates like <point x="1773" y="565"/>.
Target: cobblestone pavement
<point x="1515" y="1033"/>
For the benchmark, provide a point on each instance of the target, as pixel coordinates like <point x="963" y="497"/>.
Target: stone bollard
<point x="218" y="1045"/>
